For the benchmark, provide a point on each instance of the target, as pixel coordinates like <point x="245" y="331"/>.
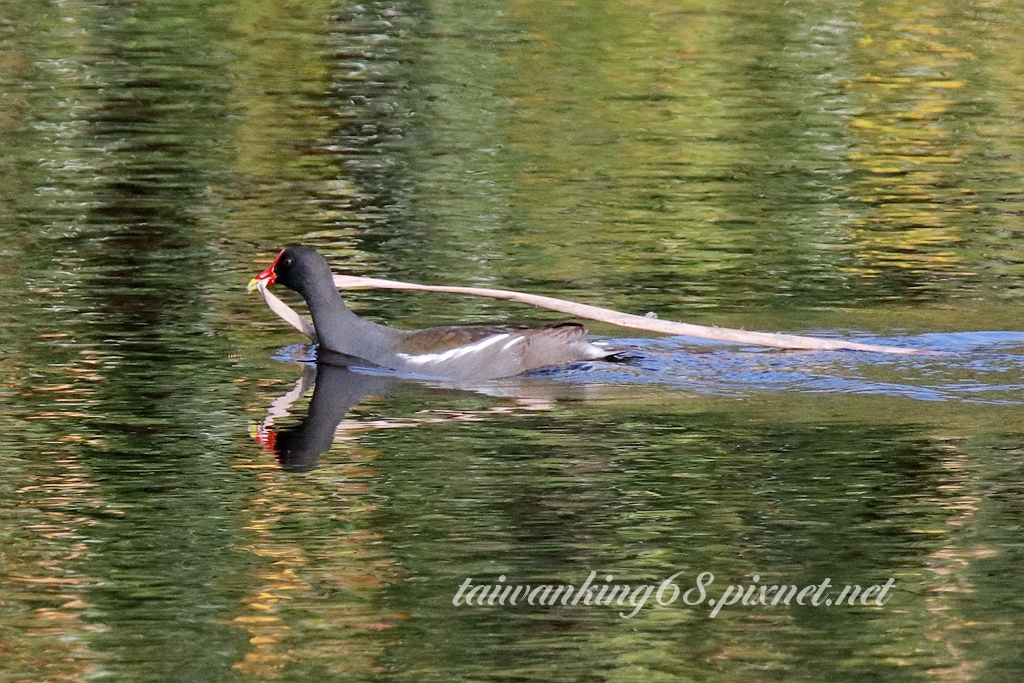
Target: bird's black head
<point x="297" y="267"/>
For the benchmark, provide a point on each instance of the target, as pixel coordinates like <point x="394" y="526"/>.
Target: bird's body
<point x="471" y="352"/>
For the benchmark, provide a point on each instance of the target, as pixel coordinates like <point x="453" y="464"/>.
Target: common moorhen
<point x="474" y="352"/>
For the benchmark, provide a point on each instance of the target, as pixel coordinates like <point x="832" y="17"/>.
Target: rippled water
<point x="182" y="499"/>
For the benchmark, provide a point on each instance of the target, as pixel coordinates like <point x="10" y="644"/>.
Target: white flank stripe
<point x="453" y="353"/>
<point x="509" y="345"/>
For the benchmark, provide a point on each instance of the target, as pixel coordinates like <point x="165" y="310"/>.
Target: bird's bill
<point x="267" y="277"/>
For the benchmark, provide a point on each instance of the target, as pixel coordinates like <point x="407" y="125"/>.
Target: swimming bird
<point x="467" y="352"/>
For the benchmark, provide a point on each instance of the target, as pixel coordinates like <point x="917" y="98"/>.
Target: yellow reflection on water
<point x="903" y="145"/>
<point x="47" y="637"/>
<point x="285" y="611"/>
<point x="284" y="179"/>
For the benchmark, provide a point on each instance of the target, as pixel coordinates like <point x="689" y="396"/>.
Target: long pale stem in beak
<point x="284" y="310"/>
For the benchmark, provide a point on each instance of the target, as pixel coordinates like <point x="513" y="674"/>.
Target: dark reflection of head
<point x="337" y="391"/>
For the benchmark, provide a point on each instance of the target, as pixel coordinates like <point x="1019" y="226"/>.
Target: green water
<point x="833" y="168"/>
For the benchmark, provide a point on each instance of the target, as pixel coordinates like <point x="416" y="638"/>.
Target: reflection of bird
<point x="337" y="391"/>
<point x="472" y="352"/>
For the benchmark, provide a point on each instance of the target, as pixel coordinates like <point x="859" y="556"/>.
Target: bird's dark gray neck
<point x="342" y="331"/>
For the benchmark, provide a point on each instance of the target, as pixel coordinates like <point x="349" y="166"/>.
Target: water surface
<point x="179" y="504"/>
